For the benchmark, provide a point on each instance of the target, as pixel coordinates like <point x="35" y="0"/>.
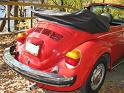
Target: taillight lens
<point x="72" y="58"/>
<point x="21" y="37"/>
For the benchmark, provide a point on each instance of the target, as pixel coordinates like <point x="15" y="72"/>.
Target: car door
<point x="117" y="44"/>
<point x="122" y="39"/>
<point x="113" y="38"/>
<point x="117" y="30"/>
<point x="118" y="49"/>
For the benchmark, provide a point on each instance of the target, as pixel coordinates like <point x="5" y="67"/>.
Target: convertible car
<point x="69" y="51"/>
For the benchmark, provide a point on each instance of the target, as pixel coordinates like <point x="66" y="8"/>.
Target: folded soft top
<point x="83" y="20"/>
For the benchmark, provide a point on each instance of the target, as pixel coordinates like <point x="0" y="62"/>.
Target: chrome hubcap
<point x="98" y="76"/>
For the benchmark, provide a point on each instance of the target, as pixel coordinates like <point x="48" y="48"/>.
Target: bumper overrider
<point x="36" y="75"/>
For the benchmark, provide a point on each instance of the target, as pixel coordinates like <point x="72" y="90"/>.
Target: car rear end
<point x="47" y="55"/>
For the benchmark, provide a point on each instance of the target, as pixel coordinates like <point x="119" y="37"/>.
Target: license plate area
<point x="32" y="48"/>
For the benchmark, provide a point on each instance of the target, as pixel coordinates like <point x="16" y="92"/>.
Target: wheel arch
<point x="107" y="57"/>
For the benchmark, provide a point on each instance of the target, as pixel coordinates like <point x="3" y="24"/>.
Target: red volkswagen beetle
<point x="69" y="51"/>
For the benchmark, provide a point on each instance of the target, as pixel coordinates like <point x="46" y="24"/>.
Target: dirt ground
<point x="114" y="82"/>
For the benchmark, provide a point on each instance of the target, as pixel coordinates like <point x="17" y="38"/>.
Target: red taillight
<point x="21" y="37"/>
<point x="72" y="59"/>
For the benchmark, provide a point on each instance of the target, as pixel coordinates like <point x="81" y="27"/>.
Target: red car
<point x="69" y="51"/>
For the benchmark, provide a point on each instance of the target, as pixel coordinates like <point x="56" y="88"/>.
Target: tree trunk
<point x="42" y="1"/>
<point x="62" y="3"/>
<point x="15" y="15"/>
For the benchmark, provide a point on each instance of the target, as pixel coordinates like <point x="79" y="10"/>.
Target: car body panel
<point x="116" y="47"/>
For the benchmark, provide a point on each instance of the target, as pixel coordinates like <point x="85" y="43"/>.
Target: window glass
<point x="117" y="13"/>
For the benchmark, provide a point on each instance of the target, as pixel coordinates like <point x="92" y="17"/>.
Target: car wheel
<point x="96" y="77"/>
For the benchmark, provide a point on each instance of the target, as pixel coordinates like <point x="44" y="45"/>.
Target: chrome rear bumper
<point x="36" y="75"/>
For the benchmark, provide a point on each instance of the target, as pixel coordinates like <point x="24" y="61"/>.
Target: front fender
<point x="91" y="51"/>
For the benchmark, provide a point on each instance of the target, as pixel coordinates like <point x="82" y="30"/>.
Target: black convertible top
<point x="84" y="20"/>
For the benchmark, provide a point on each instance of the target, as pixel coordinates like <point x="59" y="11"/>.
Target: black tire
<point x="87" y="88"/>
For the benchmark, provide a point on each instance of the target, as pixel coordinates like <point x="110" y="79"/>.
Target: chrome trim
<point x="36" y="75"/>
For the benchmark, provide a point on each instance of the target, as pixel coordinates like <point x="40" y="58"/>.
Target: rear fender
<point x="91" y="51"/>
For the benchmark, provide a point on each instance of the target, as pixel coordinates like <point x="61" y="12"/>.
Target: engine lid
<point x="54" y="42"/>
